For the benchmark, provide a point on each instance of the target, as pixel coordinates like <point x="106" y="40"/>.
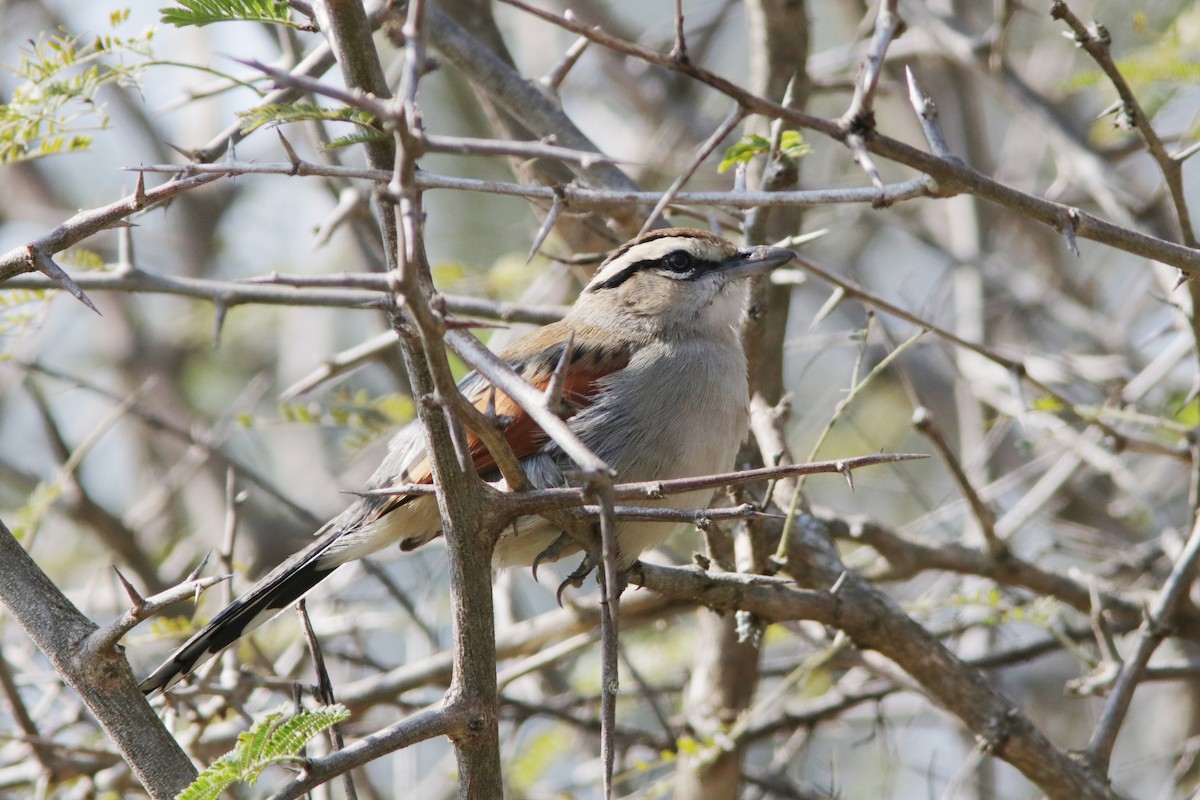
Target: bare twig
<point x="1151" y="634"/>
<point x="951" y="176"/>
<point x="540" y="500"/>
<point x="553" y="79"/>
<point x="732" y="121"/>
<point x="198" y="439"/>
<point x="332" y="291"/>
<point x="324" y="690"/>
<point x="874" y="622"/>
<point x="985" y="518"/>
<point x="888" y="25"/>
<point x="1013" y="367"/>
<point x="101" y="675"/>
<point x="576" y="196"/>
<point x="36" y="255"/>
<point x="927" y="114"/>
<point x="104" y="639"/>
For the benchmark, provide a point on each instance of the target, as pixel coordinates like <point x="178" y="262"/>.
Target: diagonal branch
<point x="1152" y="633"/>
<point x="953" y="177"/>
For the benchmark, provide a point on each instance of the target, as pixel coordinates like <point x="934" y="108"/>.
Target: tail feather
<point x="282" y="587"/>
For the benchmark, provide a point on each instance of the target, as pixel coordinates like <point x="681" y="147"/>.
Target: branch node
<point x="1068" y="226"/>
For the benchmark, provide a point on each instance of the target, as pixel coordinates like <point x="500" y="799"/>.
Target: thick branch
<point x="102" y="678"/>
<point x="873" y="621"/>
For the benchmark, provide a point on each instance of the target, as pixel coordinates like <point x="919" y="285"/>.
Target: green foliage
<point x="177" y="627"/>
<point x="997" y="609"/>
<point x="61" y="75"/>
<point x="29" y="516"/>
<point x="535" y="758"/>
<point x="276" y="739"/>
<point x="1047" y="403"/>
<point x="791" y="145"/>
<point x="1189" y="414"/>
<point x="1169" y="58"/>
<point x="205" y="12"/>
<point x="280" y="113"/>
<point x="364" y="415"/>
<point x="21" y="313"/>
<point x="1159" y="66"/>
<point x="365" y="136"/>
<point x="83" y="258"/>
<point x="1155" y="72"/>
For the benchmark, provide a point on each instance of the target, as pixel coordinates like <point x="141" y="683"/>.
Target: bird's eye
<point x="678" y="261"/>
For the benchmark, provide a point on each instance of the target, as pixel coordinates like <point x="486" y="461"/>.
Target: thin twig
<point x="576" y="196"/>
<point x="952" y="176"/>
<point x="705" y="150"/>
<point x="36" y="254"/>
<point x="302" y="291"/>
<point x="1151" y="634"/>
<point x="540" y="500"/>
<point x="888" y="25"/>
<point x="985" y="518"/>
<point x="1013" y="367"/>
<point x="324" y="690"/>
<point x="928" y="116"/>
<point x="105" y="638"/>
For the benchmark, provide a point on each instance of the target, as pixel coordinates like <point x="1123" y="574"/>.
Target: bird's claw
<point x="575" y="579"/>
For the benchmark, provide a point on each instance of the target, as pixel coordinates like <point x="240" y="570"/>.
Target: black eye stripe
<point x="662" y="266"/>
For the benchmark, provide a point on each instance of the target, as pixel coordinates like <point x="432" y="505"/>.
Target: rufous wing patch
<point x="588" y="367"/>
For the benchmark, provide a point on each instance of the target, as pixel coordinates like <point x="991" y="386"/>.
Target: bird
<point x="655" y="385"/>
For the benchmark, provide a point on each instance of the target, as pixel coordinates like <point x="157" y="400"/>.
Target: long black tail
<point x="285" y="584"/>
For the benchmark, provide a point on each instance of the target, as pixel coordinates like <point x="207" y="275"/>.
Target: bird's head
<point x="677" y="279"/>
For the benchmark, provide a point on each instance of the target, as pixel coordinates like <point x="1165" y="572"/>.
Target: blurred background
<point x="118" y="430"/>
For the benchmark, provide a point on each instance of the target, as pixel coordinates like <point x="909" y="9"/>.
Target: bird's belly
<point x="678" y="410"/>
<point x="668" y="450"/>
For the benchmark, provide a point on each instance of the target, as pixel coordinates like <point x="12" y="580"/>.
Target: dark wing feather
<point x="282" y="587"/>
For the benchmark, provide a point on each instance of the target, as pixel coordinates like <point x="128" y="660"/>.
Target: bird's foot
<point x="575" y="579"/>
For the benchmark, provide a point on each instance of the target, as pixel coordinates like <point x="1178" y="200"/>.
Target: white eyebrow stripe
<point x="654" y="250"/>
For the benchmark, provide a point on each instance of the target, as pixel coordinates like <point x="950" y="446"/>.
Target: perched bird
<point x="655" y="385"/>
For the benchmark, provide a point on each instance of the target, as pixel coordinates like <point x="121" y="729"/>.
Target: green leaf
<point x="1189" y="414"/>
<point x="365" y="136"/>
<point x="199" y="13"/>
<point x="279" y="113"/>
<point x="366" y="417"/>
<point x="60" y="77"/>
<point x="743" y="151"/>
<point x="535" y="758"/>
<point x="22" y="312"/>
<point x="274" y="739"/>
<point x="1048" y="403"/>
<point x="791" y="145"/>
<point x="83" y="258"/>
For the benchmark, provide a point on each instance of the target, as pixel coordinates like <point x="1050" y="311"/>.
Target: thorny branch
<point x="952" y="176"/>
<point x="847" y="603"/>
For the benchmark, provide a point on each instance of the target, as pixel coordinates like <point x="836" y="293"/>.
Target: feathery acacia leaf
<point x="199" y="13"/>
<point x="275" y="739"/>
